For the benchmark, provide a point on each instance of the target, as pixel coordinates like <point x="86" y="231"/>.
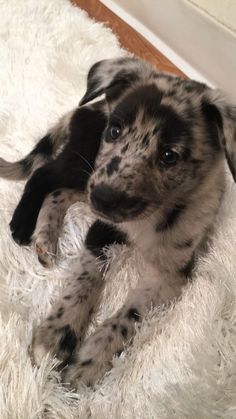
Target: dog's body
<point x="149" y="160"/>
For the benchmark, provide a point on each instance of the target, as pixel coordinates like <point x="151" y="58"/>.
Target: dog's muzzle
<point x="115" y="204"/>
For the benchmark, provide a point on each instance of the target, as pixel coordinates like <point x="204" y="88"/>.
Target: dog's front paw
<point x="22" y="225"/>
<point x="49" y="226"/>
<point x="95" y="356"/>
<point x="46" y="243"/>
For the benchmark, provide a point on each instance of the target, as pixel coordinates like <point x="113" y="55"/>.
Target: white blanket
<point x="182" y="364"/>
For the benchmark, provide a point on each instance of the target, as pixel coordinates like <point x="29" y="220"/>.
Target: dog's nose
<point x="104" y="198"/>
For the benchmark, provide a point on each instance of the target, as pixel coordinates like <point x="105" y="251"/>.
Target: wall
<point x="201" y="45"/>
<point x="223" y="11"/>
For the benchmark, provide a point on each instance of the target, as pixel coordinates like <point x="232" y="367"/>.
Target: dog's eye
<point x="114" y="131"/>
<point x="169" y="157"/>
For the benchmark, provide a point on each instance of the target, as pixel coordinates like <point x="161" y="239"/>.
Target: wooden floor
<point x="128" y="37"/>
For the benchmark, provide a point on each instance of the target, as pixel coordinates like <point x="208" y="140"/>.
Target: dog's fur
<point x="149" y="159"/>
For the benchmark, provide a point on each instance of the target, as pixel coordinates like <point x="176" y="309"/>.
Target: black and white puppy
<point x="150" y="161"/>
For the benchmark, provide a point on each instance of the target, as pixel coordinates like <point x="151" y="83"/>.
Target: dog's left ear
<point x="224" y="115"/>
<point x="113" y="77"/>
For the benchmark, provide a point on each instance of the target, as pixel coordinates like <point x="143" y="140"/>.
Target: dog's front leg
<point x="43" y="181"/>
<point x="50" y="222"/>
<point x="95" y="356"/>
<point x="63" y="330"/>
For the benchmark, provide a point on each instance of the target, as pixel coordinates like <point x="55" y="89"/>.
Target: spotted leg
<point x="94" y="358"/>
<point x="50" y="221"/>
<point x="63" y="330"/>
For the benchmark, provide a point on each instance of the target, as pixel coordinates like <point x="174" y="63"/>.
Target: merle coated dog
<point x="149" y="159"/>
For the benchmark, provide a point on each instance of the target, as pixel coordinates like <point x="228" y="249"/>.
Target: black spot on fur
<point x="156" y="130"/>
<point x="184" y="244"/>
<point x="124" y="149"/>
<point x="172" y="93"/>
<point x="67" y="297"/>
<point x="82" y="298"/>
<point x="86" y="363"/>
<point x="113" y="165"/>
<point x="133" y="314"/>
<point x="173" y="127"/>
<point x="110" y="339"/>
<point x="56" y="193"/>
<point x="187" y="269"/>
<point x="100" y="235"/>
<point x="68" y="340"/>
<point x="84" y="275"/>
<point x="145" y="140"/>
<point x="119" y="352"/>
<point x="124" y="331"/>
<point x="114" y="327"/>
<point x="60" y="312"/>
<point x="127" y="109"/>
<point x="191" y="86"/>
<point x="171" y="217"/>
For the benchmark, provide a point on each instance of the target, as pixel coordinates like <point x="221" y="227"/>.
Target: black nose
<point x="105" y="199"/>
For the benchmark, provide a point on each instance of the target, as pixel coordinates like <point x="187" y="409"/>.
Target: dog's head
<point x="165" y="136"/>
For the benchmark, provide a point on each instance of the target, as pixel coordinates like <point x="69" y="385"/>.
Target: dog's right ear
<point x="222" y="114"/>
<point x="112" y="77"/>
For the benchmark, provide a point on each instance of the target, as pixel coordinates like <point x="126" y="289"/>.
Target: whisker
<point x="85" y="171"/>
<point x="78" y="169"/>
<point x="84" y="159"/>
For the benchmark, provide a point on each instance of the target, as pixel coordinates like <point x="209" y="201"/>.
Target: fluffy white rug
<point x="183" y="363"/>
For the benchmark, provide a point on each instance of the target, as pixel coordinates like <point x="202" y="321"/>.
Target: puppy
<point x="149" y="159"/>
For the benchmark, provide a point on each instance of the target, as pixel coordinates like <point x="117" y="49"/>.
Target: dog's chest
<point x="153" y="246"/>
<point x="158" y="249"/>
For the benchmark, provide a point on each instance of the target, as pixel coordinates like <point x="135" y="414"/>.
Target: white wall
<point x="223" y="11"/>
<point x="195" y="41"/>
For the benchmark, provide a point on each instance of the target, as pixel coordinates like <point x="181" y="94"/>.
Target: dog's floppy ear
<point x="224" y="115"/>
<point x="113" y="76"/>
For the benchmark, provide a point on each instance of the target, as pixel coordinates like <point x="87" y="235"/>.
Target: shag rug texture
<point x="182" y="363"/>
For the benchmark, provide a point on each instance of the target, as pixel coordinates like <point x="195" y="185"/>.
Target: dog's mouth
<point x="115" y="205"/>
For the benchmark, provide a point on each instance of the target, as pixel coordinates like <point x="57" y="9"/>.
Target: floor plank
<point x="128" y="37"/>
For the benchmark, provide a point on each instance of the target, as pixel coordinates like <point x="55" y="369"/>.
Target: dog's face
<point x="162" y="142"/>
